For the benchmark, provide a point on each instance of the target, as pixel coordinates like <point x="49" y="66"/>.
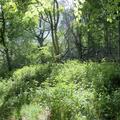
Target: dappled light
<point x="59" y="60"/>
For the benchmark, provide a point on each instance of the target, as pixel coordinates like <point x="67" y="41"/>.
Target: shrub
<point x="101" y="78"/>
<point x="72" y="91"/>
<point x="69" y="72"/>
<point x="31" y="112"/>
<point x="24" y="83"/>
<point x="68" y="103"/>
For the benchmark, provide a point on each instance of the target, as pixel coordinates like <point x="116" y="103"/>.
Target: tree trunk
<point x="119" y="40"/>
<point x="79" y="43"/>
<point x="106" y="39"/>
<point x="119" y="33"/>
<point x="54" y="19"/>
<point x="4" y="42"/>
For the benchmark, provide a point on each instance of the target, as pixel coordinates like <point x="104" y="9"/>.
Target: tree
<point x="3" y="40"/>
<point x="54" y="20"/>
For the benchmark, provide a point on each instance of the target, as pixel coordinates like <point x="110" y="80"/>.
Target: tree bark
<point x="119" y="32"/>
<point x="106" y="39"/>
<point x="78" y="42"/>
<point x="54" y="19"/>
<point x="4" y="42"/>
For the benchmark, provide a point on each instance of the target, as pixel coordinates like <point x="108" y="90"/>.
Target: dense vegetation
<point x="59" y="60"/>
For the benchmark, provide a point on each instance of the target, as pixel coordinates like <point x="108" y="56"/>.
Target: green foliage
<point x="78" y="91"/>
<point x="66" y="102"/>
<point x="31" y="112"/>
<point x="68" y="72"/>
<point x="22" y="89"/>
<point x="81" y="91"/>
<point x="38" y="55"/>
<point x="72" y="91"/>
<point x="5" y="86"/>
<point x="31" y="54"/>
<point x="32" y="72"/>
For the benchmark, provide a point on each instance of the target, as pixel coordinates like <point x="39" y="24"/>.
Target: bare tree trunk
<point x="54" y="19"/>
<point x="52" y="33"/>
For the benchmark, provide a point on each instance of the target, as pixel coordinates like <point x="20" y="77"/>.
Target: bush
<point x="100" y="78"/>
<point x="33" y="72"/>
<point x="24" y="83"/>
<point x="66" y="102"/>
<point x="31" y="112"/>
<point x="69" y="72"/>
<point x="72" y="91"/>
